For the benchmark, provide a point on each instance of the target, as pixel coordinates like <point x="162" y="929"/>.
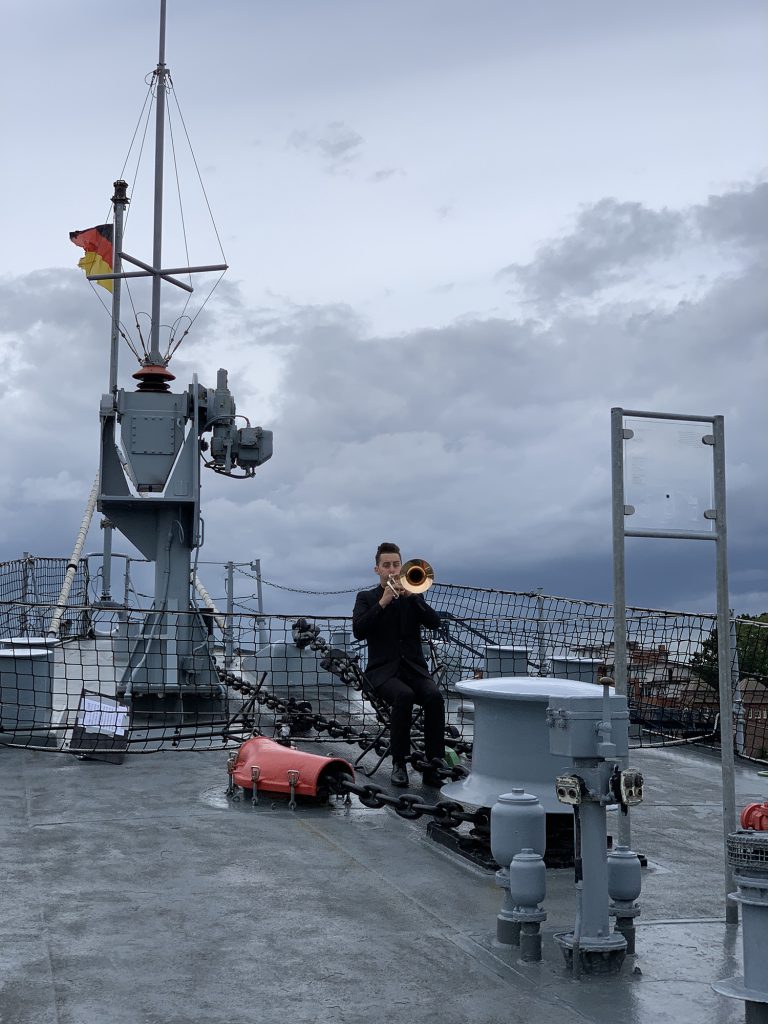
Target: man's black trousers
<point x="401" y="693"/>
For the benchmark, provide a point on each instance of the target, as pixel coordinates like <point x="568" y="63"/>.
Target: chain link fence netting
<point x="29" y="591"/>
<point x="142" y="681"/>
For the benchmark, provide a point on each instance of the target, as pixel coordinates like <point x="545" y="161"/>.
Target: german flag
<point x="97" y="243"/>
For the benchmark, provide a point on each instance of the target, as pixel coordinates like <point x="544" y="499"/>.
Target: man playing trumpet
<point x="389" y="617"/>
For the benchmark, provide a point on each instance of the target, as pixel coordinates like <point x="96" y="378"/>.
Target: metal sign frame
<point x="620" y="511"/>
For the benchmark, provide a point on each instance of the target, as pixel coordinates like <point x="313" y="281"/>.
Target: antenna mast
<point x="153" y="374"/>
<point x="161" y="72"/>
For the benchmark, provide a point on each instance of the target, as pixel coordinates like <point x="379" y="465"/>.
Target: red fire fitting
<point x="755" y="817"/>
<point x="275" y="761"/>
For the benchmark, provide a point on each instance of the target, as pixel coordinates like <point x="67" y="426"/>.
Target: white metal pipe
<point x="74" y="560"/>
<point x="221" y="621"/>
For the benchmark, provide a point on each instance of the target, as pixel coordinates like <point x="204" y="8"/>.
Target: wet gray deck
<point x="138" y="894"/>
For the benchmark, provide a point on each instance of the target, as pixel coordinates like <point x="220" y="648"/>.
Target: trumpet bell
<point x="416" y="576"/>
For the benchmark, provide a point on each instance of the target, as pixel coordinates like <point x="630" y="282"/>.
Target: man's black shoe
<point x="431" y="778"/>
<point x="399" y="776"/>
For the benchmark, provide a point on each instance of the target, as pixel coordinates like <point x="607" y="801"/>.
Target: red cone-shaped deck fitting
<point x="755" y="816"/>
<point x="153" y="378"/>
<point x="274" y="761"/>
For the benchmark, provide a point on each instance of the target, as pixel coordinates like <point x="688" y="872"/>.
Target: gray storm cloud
<point x="337" y="143"/>
<point x="611" y="241"/>
<point x="482" y="445"/>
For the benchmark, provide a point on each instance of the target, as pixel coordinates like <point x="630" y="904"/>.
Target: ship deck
<point x="140" y="894"/>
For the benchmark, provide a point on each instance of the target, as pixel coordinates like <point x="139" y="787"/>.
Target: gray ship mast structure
<point x="151" y="444"/>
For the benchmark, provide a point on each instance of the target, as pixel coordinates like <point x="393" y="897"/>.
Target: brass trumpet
<point x="415" y="577"/>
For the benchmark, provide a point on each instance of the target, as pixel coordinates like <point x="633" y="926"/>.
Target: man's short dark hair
<point x="386" y="548"/>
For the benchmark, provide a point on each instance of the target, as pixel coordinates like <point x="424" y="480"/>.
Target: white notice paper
<point x="100" y="715"/>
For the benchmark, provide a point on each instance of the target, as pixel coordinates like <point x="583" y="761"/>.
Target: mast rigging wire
<point x="145" y="113"/>
<point x="172" y="347"/>
<point x="140" y="133"/>
<point x="199" y="176"/>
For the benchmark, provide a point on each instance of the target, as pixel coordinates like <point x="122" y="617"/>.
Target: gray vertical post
<point x="106" y="562"/>
<point x="724" y="662"/>
<point x="229" y="642"/>
<point x="119" y="203"/>
<point x="157" y="249"/>
<point x="263" y="637"/>
<point x="594" y="866"/>
<point x="24" y="617"/>
<point x="541" y="639"/>
<point x="259" y="595"/>
<point x="619" y="578"/>
<point x="738" y="703"/>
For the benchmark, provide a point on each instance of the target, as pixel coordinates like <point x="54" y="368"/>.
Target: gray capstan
<point x="592" y="733"/>
<point x="511" y="740"/>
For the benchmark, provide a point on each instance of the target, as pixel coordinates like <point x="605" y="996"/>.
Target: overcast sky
<point x="458" y="233"/>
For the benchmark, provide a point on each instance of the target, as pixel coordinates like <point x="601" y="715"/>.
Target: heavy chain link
<point x="300" y="715"/>
<point x="347" y="668"/>
<point x="411" y="806"/>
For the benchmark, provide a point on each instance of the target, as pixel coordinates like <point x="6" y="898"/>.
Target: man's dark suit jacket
<point x="393" y="633"/>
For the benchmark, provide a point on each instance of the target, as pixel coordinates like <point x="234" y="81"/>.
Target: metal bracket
<point x="631" y="787"/>
<point x="231" y="788"/>
<point x="293" y="778"/>
<point x="570" y="789"/>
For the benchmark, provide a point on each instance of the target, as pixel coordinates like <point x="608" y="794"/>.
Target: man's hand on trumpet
<point x="389" y="569"/>
<point x="393" y="589"/>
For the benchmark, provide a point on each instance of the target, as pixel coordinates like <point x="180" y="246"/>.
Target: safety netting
<point x="120" y="678"/>
<point x="30" y="588"/>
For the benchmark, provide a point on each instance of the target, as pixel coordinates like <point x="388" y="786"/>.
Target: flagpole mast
<point x="119" y="203"/>
<point x="155" y="358"/>
<point x="153" y="375"/>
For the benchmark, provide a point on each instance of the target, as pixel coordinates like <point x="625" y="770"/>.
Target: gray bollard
<point x="507" y="928"/>
<point x="624" y="885"/>
<point x="527" y="889"/>
<point x="518" y="822"/>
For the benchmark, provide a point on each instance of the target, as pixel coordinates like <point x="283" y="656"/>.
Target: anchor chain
<point x="347" y="668"/>
<point x="411" y="806"/>
<point x="300" y="713"/>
